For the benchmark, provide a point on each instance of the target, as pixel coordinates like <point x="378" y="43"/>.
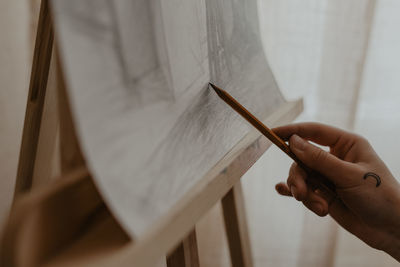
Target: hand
<point x="369" y="210"/>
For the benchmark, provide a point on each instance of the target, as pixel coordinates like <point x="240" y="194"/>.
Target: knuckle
<point x="295" y="180"/>
<point x="299" y="171"/>
<point x="290" y="180"/>
<point x="361" y="139"/>
<point x="359" y="170"/>
<point x="318" y="155"/>
<point x="292" y="169"/>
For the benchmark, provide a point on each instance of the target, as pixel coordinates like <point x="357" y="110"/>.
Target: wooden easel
<point x="79" y="229"/>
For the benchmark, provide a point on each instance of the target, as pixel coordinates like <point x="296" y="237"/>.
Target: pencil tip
<point x="216" y="89"/>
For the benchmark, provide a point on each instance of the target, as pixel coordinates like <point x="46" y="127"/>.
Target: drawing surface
<point x="137" y="73"/>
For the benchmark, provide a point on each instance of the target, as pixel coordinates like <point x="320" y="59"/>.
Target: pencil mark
<point x="149" y="125"/>
<point x="134" y="32"/>
<point x="256" y="144"/>
<point x="373" y="175"/>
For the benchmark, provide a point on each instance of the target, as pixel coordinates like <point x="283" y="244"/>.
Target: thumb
<point x="317" y="159"/>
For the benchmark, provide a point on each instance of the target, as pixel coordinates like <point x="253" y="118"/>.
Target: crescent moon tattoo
<point x="375" y="176"/>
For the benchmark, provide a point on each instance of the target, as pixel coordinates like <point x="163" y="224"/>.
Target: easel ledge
<point x="224" y="176"/>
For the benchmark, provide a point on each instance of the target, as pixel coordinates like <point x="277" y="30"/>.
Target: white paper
<point x="137" y="73"/>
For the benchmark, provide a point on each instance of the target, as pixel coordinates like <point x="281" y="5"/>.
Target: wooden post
<point x="236" y="227"/>
<point x="186" y="254"/>
<point x="36" y="96"/>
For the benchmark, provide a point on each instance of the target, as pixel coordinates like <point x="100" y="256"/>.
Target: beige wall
<point x="14" y="73"/>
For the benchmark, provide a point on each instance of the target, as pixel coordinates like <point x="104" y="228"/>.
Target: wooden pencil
<point x="315" y="179"/>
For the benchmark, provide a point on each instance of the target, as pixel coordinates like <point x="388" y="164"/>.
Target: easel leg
<point x="236" y="227"/>
<point x="186" y="254"/>
<point x="34" y="107"/>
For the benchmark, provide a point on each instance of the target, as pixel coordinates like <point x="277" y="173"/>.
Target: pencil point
<point x="216" y="89"/>
<point x="213" y="86"/>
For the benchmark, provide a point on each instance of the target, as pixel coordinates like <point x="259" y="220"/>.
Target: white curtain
<point x="343" y="58"/>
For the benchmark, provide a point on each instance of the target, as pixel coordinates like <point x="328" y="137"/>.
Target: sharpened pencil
<point x="315" y="179"/>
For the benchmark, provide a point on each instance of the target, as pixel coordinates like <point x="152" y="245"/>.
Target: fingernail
<point x="293" y="190"/>
<point x="297" y="142"/>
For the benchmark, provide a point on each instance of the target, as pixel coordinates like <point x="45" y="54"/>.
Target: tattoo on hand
<point x="375" y="176"/>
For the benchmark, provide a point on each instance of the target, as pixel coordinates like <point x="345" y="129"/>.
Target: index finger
<point x="316" y="132"/>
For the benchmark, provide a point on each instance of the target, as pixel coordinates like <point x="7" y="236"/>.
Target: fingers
<point x="296" y="186"/>
<point x="325" y="163"/>
<point x="296" y="182"/>
<point x="316" y="132"/>
<point x="283" y="189"/>
<point x="322" y="206"/>
<point x="316" y="203"/>
<point x="312" y="200"/>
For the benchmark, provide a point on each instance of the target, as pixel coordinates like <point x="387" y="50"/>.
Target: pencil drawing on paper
<point x="137" y="73"/>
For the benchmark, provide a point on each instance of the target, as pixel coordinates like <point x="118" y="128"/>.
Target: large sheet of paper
<point x="137" y="73"/>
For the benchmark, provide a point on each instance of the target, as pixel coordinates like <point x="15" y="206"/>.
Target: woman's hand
<point x="368" y="196"/>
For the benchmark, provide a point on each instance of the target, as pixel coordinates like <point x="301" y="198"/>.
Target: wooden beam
<point x="47" y="219"/>
<point x="236" y="227"/>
